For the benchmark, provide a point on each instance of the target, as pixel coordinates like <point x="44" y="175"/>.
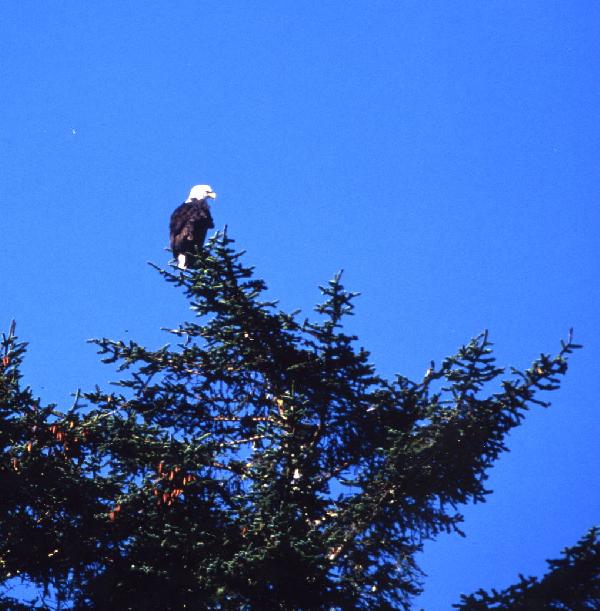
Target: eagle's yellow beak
<point x="212" y="195"/>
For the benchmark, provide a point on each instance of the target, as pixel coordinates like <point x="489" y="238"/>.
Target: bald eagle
<point x="190" y="222"/>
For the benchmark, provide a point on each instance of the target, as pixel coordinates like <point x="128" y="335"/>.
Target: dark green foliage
<point x="260" y="463"/>
<point x="572" y="583"/>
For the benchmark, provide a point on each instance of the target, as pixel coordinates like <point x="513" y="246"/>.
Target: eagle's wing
<point x="179" y="220"/>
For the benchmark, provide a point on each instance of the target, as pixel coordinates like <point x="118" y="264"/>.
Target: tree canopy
<point x="258" y="461"/>
<point x="572" y="583"/>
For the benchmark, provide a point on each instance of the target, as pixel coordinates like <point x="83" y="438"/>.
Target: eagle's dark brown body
<point x="188" y="226"/>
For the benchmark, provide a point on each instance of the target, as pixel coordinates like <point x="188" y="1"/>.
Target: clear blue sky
<point x="445" y="154"/>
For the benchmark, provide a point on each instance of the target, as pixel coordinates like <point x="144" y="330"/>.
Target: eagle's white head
<point x="201" y="192"/>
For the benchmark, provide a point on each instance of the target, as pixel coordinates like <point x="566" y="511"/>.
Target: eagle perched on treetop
<point x="190" y="222"/>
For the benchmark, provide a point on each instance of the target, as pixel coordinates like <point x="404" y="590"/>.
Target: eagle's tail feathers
<point x="181" y="261"/>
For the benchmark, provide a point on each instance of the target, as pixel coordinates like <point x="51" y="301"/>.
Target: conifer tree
<point x="572" y="584"/>
<point x="256" y="462"/>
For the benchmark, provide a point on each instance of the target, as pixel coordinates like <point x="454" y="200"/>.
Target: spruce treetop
<point x="258" y="461"/>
